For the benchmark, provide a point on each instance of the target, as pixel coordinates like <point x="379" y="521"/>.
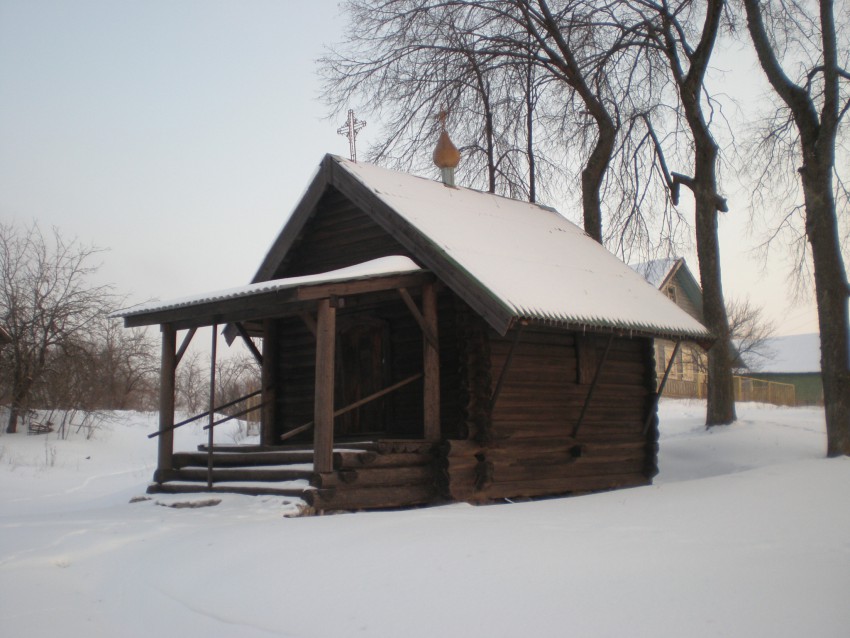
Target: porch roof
<point x="276" y="297"/>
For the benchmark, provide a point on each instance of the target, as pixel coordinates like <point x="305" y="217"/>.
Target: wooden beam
<point x="593" y="385"/>
<point x="269" y="375"/>
<point x="506" y="367"/>
<point x="246" y="338"/>
<point x="184" y="346"/>
<point x="323" y="405"/>
<point x="657" y="397"/>
<point x="166" y="399"/>
<point x="431" y="364"/>
<point x="429" y="331"/>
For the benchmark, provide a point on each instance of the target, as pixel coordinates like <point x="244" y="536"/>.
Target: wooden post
<point x="271" y="343"/>
<point x="166" y="398"/>
<point x="211" y="424"/>
<point x="323" y="407"/>
<point x="431" y="361"/>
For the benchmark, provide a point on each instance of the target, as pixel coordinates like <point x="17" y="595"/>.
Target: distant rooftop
<point x="794" y="353"/>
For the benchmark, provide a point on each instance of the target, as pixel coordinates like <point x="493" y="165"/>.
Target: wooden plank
<point x="323" y="406"/>
<point x="167" y="376"/>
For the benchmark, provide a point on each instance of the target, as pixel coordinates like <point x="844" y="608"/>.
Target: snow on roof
<point x="534" y="261"/>
<point x="374" y="268"/>
<point x="655" y="271"/>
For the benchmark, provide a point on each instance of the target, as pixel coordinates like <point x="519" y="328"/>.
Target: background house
<point x="673" y="278"/>
<point x="793" y="360"/>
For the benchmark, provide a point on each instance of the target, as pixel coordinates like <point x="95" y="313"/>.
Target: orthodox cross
<point x="350" y="130"/>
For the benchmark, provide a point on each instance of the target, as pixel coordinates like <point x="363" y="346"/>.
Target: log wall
<point x="393" y="474"/>
<point x="528" y="447"/>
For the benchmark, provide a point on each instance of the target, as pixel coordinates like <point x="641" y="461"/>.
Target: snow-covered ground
<point x="746" y="532"/>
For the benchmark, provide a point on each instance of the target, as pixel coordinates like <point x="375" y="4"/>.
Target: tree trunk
<point x="593" y="175"/>
<point x="720" y="409"/>
<point x="831" y="291"/>
<point x="20" y="390"/>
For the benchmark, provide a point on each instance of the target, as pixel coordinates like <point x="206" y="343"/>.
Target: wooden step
<point x="224" y="488"/>
<point x="242" y="474"/>
<point x="242" y="459"/>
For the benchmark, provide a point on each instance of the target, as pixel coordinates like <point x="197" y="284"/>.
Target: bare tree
<point x="47" y="299"/>
<point x="684" y="33"/>
<point x="751" y="332"/>
<point x="801" y="40"/>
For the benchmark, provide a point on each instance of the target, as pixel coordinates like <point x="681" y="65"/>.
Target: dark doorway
<point x="362" y="368"/>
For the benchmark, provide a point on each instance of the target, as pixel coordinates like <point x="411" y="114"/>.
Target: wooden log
<point x="556" y="444"/>
<point x="370" y="498"/>
<point x="355" y="460"/>
<point x="395" y="446"/>
<point x="459" y="478"/>
<point x="376" y="477"/>
<point x="561" y="485"/>
<point x="505" y="473"/>
<point x="452" y="447"/>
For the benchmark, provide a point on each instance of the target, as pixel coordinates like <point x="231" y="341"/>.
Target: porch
<point x="313" y="353"/>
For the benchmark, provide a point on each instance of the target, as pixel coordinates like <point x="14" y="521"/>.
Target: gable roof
<point x="661" y="272"/>
<point x="509" y="260"/>
<point x="657" y="272"/>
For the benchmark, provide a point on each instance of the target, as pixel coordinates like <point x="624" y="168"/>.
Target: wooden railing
<point x="746" y="389"/>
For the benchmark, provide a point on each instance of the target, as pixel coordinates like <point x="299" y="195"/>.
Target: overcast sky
<point x="180" y="134"/>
